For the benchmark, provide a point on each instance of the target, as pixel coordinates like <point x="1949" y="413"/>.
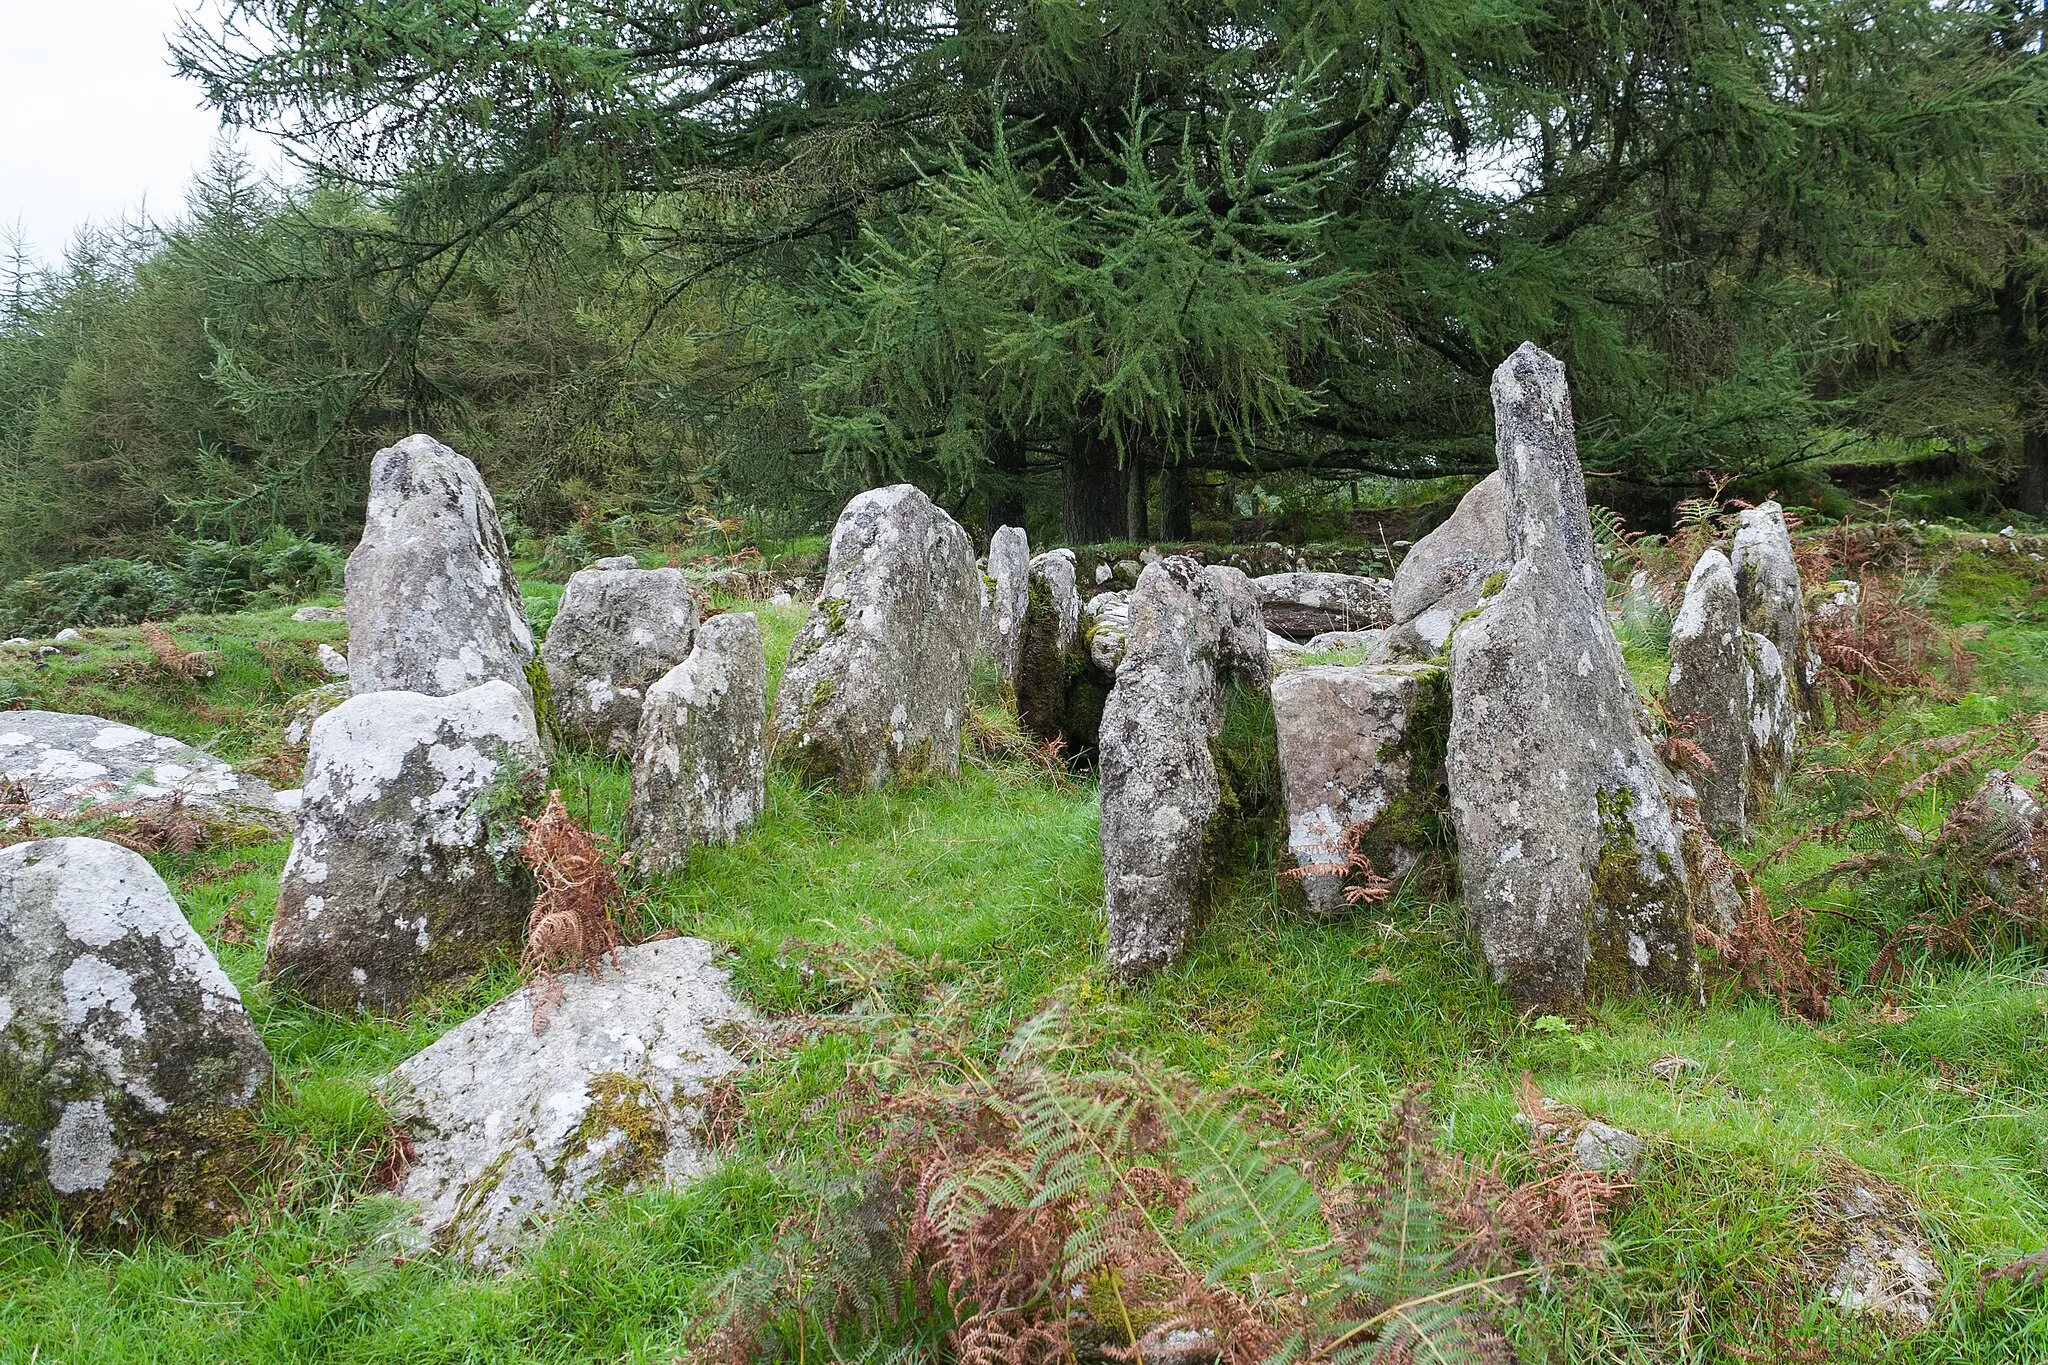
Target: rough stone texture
<point x="1108" y="622"/>
<point x="1442" y="576"/>
<point x="1049" y="645"/>
<point x="394" y="884"/>
<point x="332" y="661"/>
<point x="1361" y="749"/>
<point x="1194" y="638"/>
<point x="1300" y="606"/>
<point x="307" y="614"/>
<point x="700" y="765"/>
<point x="1773" y="724"/>
<point x="1709" y="692"/>
<point x="876" y="685"/>
<point x="616" y="631"/>
<point x="67" y="764"/>
<point x="432" y="604"/>
<point x="1575" y="866"/>
<point x="1882" y="1265"/>
<point x="510" y="1128"/>
<point x="1767" y="577"/>
<point x="1603" y="1147"/>
<point x="1008" y="583"/>
<point x="127" y="1063"/>
<point x="309" y="706"/>
<point x="1835" y="606"/>
<point x="1330" y="642"/>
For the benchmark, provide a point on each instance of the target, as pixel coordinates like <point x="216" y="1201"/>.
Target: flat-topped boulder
<point x="432" y="604"/>
<point x="404" y="875"/>
<point x="875" y="689"/>
<point x="511" y="1127"/>
<point x="128" y="1068"/>
<point x="617" y="630"/>
<point x="1300" y="606"/>
<point x="700" y="763"/>
<point x="69" y="764"/>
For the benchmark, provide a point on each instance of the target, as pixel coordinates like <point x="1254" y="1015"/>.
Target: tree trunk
<point x="1004" y="495"/>
<point x="1176" y="504"/>
<point x="1136" y="523"/>
<point x="2031" y="496"/>
<point x="1093" y="510"/>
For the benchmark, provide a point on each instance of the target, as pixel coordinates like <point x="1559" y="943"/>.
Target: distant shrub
<point x="206" y="576"/>
<point x="97" y="592"/>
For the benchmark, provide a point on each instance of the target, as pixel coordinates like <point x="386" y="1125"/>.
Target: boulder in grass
<point x="1300" y="606"/>
<point x="1835" y="606"/>
<point x="1050" y="650"/>
<point x="128" y="1068"/>
<point x="618" y="629"/>
<point x="875" y="689"/>
<point x="1008" y="584"/>
<point x="511" y="1128"/>
<point x="404" y="875"/>
<point x="1767" y="578"/>
<point x="700" y="762"/>
<point x="432" y="604"/>
<point x="1578" y="872"/>
<point x="69" y="765"/>
<point x="1445" y="573"/>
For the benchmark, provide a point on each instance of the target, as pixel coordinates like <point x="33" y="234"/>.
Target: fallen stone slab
<point x="1301" y="606"/>
<point x="69" y="765"/>
<point x="1874" y="1258"/>
<point x="515" y="1118"/>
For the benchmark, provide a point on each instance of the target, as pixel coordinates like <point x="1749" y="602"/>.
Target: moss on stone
<point x="181" y="1177"/>
<point x="1494" y="583"/>
<point x="834" y="612"/>
<point x="623" y="1105"/>
<point x="1622" y="894"/>
<point x="1250" y="821"/>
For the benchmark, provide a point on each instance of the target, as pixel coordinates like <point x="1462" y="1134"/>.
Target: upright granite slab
<point x="615" y="633"/>
<point x="1008" y="584"/>
<point x="1773" y="600"/>
<point x="700" y="764"/>
<point x="1051" y="651"/>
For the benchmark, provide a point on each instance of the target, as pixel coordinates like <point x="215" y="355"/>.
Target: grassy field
<point x="982" y="895"/>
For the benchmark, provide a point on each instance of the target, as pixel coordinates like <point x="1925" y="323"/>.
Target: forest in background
<point x="1109" y="270"/>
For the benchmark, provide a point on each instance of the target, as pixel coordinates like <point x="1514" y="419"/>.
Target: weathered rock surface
<point x="1773" y="725"/>
<point x="617" y="631"/>
<point x="402" y="876"/>
<point x="1883" y="1266"/>
<point x="67" y="764"/>
<point x="307" y="614"/>
<point x="1332" y="641"/>
<point x="1300" y="606"/>
<point x="1603" y="1147"/>
<point x="1835" y="606"/>
<point x="1710" y="687"/>
<point x="875" y="689"/>
<point x="1008" y="584"/>
<point x="1194" y="645"/>
<point x="1999" y="830"/>
<point x="1444" y="574"/>
<point x="432" y="604"/>
<point x="510" y="1128"/>
<point x="1767" y="577"/>
<point x="1573" y="861"/>
<point x="1361" y="770"/>
<point x="128" y="1066"/>
<point x="1108" y="622"/>
<point x="700" y="765"/>
<point x="1050" y="646"/>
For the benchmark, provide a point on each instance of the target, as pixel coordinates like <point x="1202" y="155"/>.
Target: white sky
<point x="93" y="125"/>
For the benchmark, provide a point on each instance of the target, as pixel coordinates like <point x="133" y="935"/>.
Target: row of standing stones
<point x="1492" y="715"/>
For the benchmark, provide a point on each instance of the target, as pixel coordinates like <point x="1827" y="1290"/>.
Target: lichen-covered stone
<point x="1443" y="575"/>
<point x="616" y="631"/>
<point x="700" y="764"/>
<point x="1767" y="578"/>
<point x="1299" y="606"/>
<point x="404" y="873"/>
<point x="1570" y="850"/>
<point x="68" y="764"/>
<point x="875" y="689"/>
<point x="1709" y="690"/>
<point x="1835" y="606"/>
<point x="1882" y="1266"/>
<point x="1345" y="641"/>
<point x="1194" y="642"/>
<point x="1773" y="724"/>
<point x="1107" y="621"/>
<point x="432" y="604"/>
<point x="1050" y="647"/>
<point x="1361" y="770"/>
<point x="1009" y="594"/>
<point x="128" y="1067"/>
<point x="511" y="1127"/>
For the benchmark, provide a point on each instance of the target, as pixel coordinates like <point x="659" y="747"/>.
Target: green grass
<point x="985" y="890"/>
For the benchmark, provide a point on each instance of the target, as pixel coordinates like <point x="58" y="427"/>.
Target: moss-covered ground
<point x="989" y="885"/>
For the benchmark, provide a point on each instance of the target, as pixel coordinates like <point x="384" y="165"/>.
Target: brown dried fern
<point x="572" y="926"/>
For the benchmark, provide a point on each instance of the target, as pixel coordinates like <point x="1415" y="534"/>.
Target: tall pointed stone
<point x="1709" y="690"/>
<point x="1576" y="873"/>
<point x="1773" y="602"/>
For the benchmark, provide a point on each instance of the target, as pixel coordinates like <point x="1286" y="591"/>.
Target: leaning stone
<point x="403" y="875"/>
<point x="1190" y="655"/>
<point x="700" y="764"/>
<point x="1009" y="592"/>
<point x="1302" y="605"/>
<point x="617" y="630"/>
<point x="1049" y="649"/>
<point x="875" y="689"/>
<point x="1709" y="690"/>
<point x="69" y="765"/>
<point x="432" y="604"/>
<point x="1446" y="569"/>
<point x="510" y="1128"/>
<point x="1767" y="577"/>
<point x="1576" y="875"/>
<point x="128" y="1067"/>
<point x="1361" y="771"/>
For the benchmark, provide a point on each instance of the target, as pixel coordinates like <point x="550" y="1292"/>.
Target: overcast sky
<point x="92" y="122"/>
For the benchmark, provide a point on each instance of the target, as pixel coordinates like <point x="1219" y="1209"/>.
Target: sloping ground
<point x="980" y="899"/>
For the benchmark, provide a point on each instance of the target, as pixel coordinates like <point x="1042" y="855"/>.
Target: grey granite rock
<point x="700" y="765"/>
<point x="68" y="764"/>
<point x="1709" y="690"/>
<point x="1443" y="575"/>
<point x="1773" y="601"/>
<point x="616" y="631"/>
<point x="1299" y="606"/>
<point x="1008" y="583"/>
<point x="1050" y="646"/>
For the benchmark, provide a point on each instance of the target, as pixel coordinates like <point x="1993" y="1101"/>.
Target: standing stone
<point x="1300" y="606"/>
<point x="1361" y="770"/>
<point x="1108" y="622"/>
<point x="876" y="685"/>
<point x="1773" y="725"/>
<point x="432" y="604"/>
<point x="403" y="874"/>
<point x="1574" y="864"/>
<point x="1008" y="583"/>
<point x="1767" y="577"/>
<point x="1189" y="651"/>
<point x="1710" y="687"/>
<point x="1444" y="574"/>
<point x="128" y="1067"/>
<point x="1050" y="644"/>
<point x="616" y="631"/>
<point x="1835" y="606"/>
<point x="700" y="766"/>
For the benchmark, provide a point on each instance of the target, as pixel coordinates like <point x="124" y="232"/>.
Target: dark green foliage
<point x="208" y="576"/>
